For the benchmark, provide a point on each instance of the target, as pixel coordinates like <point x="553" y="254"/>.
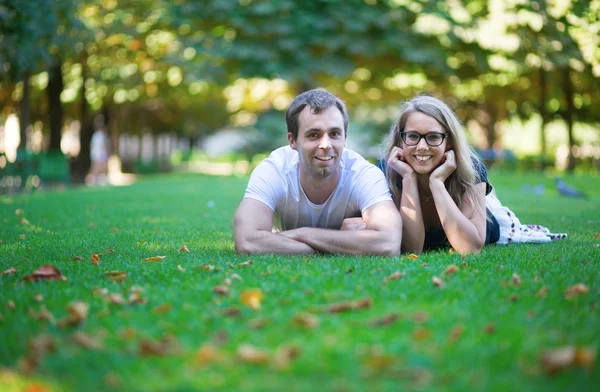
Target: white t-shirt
<point x="99" y="147"/>
<point x="276" y="183"/>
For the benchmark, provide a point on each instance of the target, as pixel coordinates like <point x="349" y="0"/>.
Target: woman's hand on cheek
<point x="446" y="168"/>
<point x="397" y="162"/>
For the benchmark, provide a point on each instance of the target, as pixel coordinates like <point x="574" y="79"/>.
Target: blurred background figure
<point x="568" y="190"/>
<point x="99" y="153"/>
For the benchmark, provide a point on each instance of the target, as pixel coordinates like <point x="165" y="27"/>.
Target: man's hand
<point x="446" y="168"/>
<point x="397" y="162"/>
<point x="354" y="224"/>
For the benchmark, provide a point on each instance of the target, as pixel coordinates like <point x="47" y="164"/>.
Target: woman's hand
<point x="397" y="162"/>
<point x="446" y="168"/>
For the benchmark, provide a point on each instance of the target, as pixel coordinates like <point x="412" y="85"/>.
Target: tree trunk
<point x="55" y="88"/>
<point x="543" y="115"/>
<point x="24" y="109"/>
<point x="85" y="131"/>
<point x="568" y="117"/>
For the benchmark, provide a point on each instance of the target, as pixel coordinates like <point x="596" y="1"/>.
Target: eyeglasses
<point x="433" y="139"/>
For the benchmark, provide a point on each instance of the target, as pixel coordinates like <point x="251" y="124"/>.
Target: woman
<point x="437" y="181"/>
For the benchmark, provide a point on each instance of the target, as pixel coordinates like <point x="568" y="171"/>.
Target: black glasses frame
<point x="405" y="134"/>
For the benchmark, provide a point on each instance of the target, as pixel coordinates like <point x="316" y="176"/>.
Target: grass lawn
<point x="325" y="322"/>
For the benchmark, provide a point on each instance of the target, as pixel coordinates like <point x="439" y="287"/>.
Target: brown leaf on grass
<point x="245" y="263"/>
<point x="11" y="270"/>
<point x="10" y="304"/>
<point x="585" y="357"/>
<point x="207" y="354"/>
<point x="306" y="320"/>
<point x="183" y="248"/>
<point x="37" y="348"/>
<point x="252" y="298"/>
<point x="558" y="359"/>
<point x="154" y="259"/>
<point x="576" y="290"/>
<point x="115" y="298"/>
<point x="284" y="355"/>
<point x="115" y="276"/>
<point x="205" y="267"/>
<point x="87" y="341"/>
<point x="542" y="293"/>
<point x="421" y="334"/>
<point x="424" y="265"/>
<point x="378" y="361"/>
<point x="114" y="230"/>
<point x="455" y="333"/>
<point x="19" y="211"/>
<point x="516" y="279"/>
<point x="386" y="320"/>
<point x="394" y="276"/>
<point x="24" y="221"/>
<point x="38" y="297"/>
<point x="420" y="317"/>
<point x="95" y="259"/>
<point x="45" y="272"/>
<point x="349" y="305"/>
<point x="43" y="315"/>
<point x="513" y="298"/>
<point x="451" y="269"/>
<point x="437" y="282"/>
<point x="221" y="290"/>
<point x="180" y="268"/>
<point x="251" y="354"/>
<point x="163" y="308"/>
<point x="110" y="250"/>
<point x="235" y="276"/>
<point x="412" y="256"/>
<point x="135" y="296"/>
<point x="167" y="345"/>
<point x="490" y="328"/>
<point x="77" y="258"/>
<point x="78" y="312"/>
<point x="231" y="312"/>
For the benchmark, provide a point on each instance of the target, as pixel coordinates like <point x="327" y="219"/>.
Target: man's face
<point x="320" y="142"/>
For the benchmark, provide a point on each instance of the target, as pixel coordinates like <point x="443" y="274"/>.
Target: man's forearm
<point x="348" y="242"/>
<point x="268" y="242"/>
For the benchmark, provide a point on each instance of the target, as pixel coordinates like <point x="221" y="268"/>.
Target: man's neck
<point x="318" y="189"/>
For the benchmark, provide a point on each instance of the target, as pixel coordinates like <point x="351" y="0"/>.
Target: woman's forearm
<point x="413" y="229"/>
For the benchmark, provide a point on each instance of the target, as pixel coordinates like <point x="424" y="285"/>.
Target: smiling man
<point x="314" y="195"/>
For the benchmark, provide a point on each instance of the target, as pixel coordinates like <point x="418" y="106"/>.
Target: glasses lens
<point x="434" y="139"/>
<point x="412" y="138"/>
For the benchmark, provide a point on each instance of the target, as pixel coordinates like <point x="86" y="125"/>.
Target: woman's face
<point x="422" y="157"/>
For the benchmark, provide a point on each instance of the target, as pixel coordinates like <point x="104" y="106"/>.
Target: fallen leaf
<point x="38" y="297"/>
<point x="420" y="317"/>
<point x="45" y="272"/>
<point x="516" y="279"/>
<point x="542" y="293"/>
<point x="349" y="305"/>
<point x="24" y="221"/>
<point x="231" y="312"/>
<point x="412" y="256"/>
<point x="245" y="263"/>
<point x="377" y="361"/>
<point x="18" y="211"/>
<point x="558" y="359"/>
<point x="513" y="298"/>
<point x="165" y="346"/>
<point x="499" y="267"/>
<point x="184" y="248"/>
<point x="78" y="312"/>
<point x="95" y="259"/>
<point x="205" y="267"/>
<point x="135" y="296"/>
<point x="86" y="341"/>
<point x="437" y="282"/>
<point x="115" y="276"/>
<point x="154" y="258"/>
<point x="227" y="282"/>
<point x="236" y="277"/>
<point x="576" y="290"/>
<point x="77" y="258"/>
<point x="490" y="328"/>
<point x="394" y="276"/>
<point x="421" y="333"/>
<point x="424" y="265"/>
<point x="43" y="315"/>
<point x="115" y="298"/>
<point x="221" y="290"/>
<point x="251" y="354"/>
<point x="207" y="353"/>
<point x="284" y="355"/>
<point x="180" y="268"/>
<point x="142" y="242"/>
<point x="114" y="230"/>
<point x="455" y="333"/>
<point x="110" y="250"/>
<point x="451" y="269"/>
<point x="585" y="357"/>
<point x="386" y="320"/>
<point x="258" y="323"/>
<point x="306" y="320"/>
<point x="252" y="298"/>
<point x="163" y="308"/>
<point x="11" y="270"/>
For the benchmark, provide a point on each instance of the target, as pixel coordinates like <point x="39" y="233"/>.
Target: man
<point x="320" y="196"/>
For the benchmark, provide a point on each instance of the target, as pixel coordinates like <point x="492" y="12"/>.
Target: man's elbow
<point x="390" y="247"/>
<point x="243" y="246"/>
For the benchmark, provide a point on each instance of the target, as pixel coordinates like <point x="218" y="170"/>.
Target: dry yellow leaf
<point x="412" y="256"/>
<point x="252" y="298"/>
<point x="154" y="258"/>
<point x="437" y="282"/>
<point x="451" y="269"/>
<point x="180" y="268"/>
<point x="576" y="290"/>
<point x="516" y="279"/>
<point x="115" y="276"/>
<point x="245" y="263"/>
<point x="542" y="293"/>
<point x="251" y="354"/>
<point x="95" y="259"/>
<point x="18" y="211"/>
<point x="184" y="248"/>
<point x="24" y="221"/>
<point x="11" y="270"/>
<point x="207" y="353"/>
<point x="394" y="276"/>
<point x="306" y="320"/>
<point x="163" y="308"/>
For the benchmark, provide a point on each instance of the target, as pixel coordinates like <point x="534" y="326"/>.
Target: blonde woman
<point x="437" y="182"/>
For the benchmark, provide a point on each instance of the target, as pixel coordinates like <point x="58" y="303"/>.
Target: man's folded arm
<point x="381" y="236"/>
<point x="252" y="231"/>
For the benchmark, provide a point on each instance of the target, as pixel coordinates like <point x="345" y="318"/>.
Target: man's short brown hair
<point x="317" y="100"/>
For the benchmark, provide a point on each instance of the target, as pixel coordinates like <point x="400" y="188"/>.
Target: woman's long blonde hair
<point x="461" y="182"/>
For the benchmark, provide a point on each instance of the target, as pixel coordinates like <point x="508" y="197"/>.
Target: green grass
<point x="344" y="352"/>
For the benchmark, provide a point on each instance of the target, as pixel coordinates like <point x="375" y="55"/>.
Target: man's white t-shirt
<point x="276" y="183"/>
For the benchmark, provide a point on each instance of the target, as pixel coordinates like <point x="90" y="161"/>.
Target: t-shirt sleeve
<point x="371" y="188"/>
<point x="482" y="175"/>
<point x="266" y="185"/>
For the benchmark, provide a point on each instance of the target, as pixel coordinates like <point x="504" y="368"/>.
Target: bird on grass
<point x="568" y="190"/>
